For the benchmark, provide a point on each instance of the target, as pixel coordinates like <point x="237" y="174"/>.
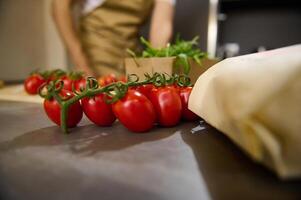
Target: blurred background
<point x="226" y="28"/>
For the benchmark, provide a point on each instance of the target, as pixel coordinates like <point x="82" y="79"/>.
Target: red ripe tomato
<point x="53" y="110"/>
<point x="106" y="80"/>
<point x="67" y="83"/>
<point x="167" y="104"/>
<point x="98" y="111"/>
<point x="145" y="89"/>
<point x="111" y="78"/>
<point x="123" y="79"/>
<point x="55" y="75"/>
<point x="74" y="78"/>
<point x="80" y="83"/>
<point x="101" y="81"/>
<point x="175" y="87"/>
<point x="135" y="112"/>
<point x="186" y="113"/>
<point x="33" y="82"/>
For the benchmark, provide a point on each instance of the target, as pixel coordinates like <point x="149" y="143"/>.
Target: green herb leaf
<point x="183" y="50"/>
<point x="132" y="53"/>
<point x="183" y="60"/>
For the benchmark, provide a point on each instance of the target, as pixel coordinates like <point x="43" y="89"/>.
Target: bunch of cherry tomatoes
<point x="72" y="79"/>
<point x="139" y="107"/>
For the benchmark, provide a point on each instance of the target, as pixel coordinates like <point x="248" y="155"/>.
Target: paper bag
<point x="140" y="66"/>
<point x="256" y="101"/>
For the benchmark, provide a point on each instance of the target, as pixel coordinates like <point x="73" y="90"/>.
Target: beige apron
<point x="109" y="30"/>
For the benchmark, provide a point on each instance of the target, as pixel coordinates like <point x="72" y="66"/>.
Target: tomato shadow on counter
<point x="229" y="172"/>
<point x="86" y="140"/>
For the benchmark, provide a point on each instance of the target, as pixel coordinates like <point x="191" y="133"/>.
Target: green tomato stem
<point x="119" y="88"/>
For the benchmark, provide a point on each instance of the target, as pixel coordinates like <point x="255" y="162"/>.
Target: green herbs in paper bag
<point x="181" y="49"/>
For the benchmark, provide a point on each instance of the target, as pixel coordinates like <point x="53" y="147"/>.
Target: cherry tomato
<point x="98" y="111"/>
<point x="73" y="78"/>
<point x="186" y="113"/>
<point x="167" y="104"/>
<point x="33" y="82"/>
<point x="145" y="89"/>
<point x="111" y="78"/>
<point x="67" y="83"/>
<point x="53" y="110"/>
<point x="123" y="79"/>
<point x="106" y="80"/>
<point x="54" y="75"/>
<point x="78" y="84"/>
<point x="101" y="81"/>
<point x="175" y="86"/>
<point x="135" y="112"/>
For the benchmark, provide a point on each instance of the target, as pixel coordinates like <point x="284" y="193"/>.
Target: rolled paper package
<point x="255" y="100"/>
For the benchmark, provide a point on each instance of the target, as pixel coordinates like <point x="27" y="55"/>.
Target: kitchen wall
<point x="259" y="24"/>
<point x="191" y="19"/>
<point x="28" y="39"/>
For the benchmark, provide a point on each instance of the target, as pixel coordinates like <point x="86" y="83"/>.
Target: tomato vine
<point x="115" y="91"/>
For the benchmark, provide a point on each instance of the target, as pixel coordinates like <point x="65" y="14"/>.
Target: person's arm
<point x="161" y="23"/>
<point x="61" y="11"/>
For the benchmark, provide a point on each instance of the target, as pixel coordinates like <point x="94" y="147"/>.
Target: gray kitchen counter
<point x="191" y="161"/>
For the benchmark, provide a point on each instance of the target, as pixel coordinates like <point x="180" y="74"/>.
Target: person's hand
<point x="62" y="16"/>
<point x="161" y="23"/>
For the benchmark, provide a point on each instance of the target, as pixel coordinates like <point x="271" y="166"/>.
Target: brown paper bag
<point x="140" y="66"/>
<point x="256" y="101"/>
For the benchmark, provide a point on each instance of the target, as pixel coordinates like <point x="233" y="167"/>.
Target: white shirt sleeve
<point x="173" y="2"/>
<point x="90" y="5"/>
